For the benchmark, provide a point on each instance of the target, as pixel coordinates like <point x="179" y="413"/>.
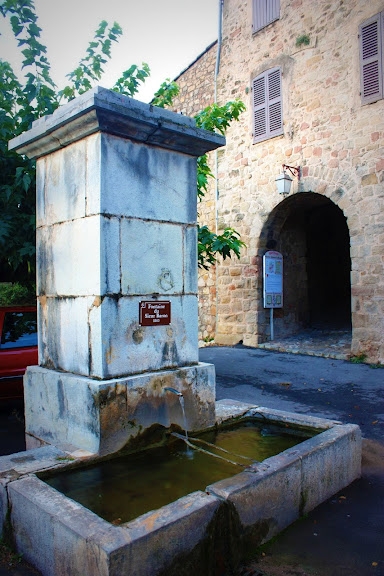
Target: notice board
<point x="273" y="279"/>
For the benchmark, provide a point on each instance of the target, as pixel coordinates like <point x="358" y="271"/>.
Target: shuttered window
<point x="267" y="105"/>
<point x="371" y="39"/>
<point x="264" y="12"/>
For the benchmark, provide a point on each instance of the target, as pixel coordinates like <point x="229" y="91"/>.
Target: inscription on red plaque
<point x="153" y="313"/>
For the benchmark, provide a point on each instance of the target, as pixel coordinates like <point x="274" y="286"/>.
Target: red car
<point x="18" y="347"/>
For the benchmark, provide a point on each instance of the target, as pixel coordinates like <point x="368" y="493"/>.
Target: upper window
<point x="371" y="40"/>
<point x="267" y="105"/>
<point x="264" y="12"/>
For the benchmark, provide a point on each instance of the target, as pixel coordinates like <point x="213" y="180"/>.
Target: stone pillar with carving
<point x="116" y="273"/>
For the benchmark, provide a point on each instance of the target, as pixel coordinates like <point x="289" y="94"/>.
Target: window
<point x="19" y="330"/>
<point x="264" y="12"/>
<point x="267" y="105"/>
<point x="371" y="40"/>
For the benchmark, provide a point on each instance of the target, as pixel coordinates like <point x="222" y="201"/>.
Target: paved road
<point x="335" y="389"/>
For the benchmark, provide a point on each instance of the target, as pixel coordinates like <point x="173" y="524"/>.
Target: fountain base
<point x="211" y="531"/>
<point x="104" y="416"/>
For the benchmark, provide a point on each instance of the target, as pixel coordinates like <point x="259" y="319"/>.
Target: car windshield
<point x="19" y="330"/>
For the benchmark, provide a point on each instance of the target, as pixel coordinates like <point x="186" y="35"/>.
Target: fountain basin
<point x="211" y="531"/>
<point x="122" y="488"/>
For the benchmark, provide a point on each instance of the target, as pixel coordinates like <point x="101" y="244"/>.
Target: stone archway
<point x="312" y="234"/>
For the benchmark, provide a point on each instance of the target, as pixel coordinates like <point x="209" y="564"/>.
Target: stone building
<point x="311" y="75"/>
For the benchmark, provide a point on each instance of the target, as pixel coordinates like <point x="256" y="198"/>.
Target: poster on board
<point x="273" y="279"/>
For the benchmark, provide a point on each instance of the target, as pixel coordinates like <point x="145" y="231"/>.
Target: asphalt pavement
<point x="343" y="536"/>
<point x="325" y="387"/>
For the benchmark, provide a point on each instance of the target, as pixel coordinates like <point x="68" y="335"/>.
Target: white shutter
<point x="371" y="59"/>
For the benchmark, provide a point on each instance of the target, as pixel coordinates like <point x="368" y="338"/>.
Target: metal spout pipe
<point x="173" y="390"/>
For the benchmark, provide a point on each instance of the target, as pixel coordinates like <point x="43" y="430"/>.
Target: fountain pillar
<point x="116" y="273"/>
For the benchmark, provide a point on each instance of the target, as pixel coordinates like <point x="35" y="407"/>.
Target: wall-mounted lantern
<point x="284" y="181"/>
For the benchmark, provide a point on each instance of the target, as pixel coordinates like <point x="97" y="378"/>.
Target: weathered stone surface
<point x="53" y="531"/>
<point x="267" y="497"/>
<point x="116" y="225"/>
<point x="104" y="416"/>
<point x="101" y="110"/>
<point x="31" y="461"/>
<point x="77" y="542"/>
<point x="337" y="453"/>
<point x="102" y="337"/>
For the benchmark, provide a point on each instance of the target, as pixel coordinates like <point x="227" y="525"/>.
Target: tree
<point x="21" y="103"/>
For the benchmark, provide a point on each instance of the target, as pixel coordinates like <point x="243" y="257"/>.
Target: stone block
<point x="102" y="337"/>
<point x="121" y="346"/>
<point x="190" y="259"/>
<point x="151" y="257"/>
<point x="266" y="497"/>
<point x="30" y="462"/>
<point x="187" y="526"/>
<point x="102" y="110"/>
<point x="53" y="531"/>
<point x="63" y="333"/>
<point x="61" y="186"/>
<point x="142" y="181"/>
<point x="330" y="462"/>
<point x="59" y="536"/>
<point x="104" y="416"/>
<point x="79" y="257"/>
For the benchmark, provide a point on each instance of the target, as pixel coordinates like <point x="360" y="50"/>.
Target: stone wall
<point x="336" y="141"/>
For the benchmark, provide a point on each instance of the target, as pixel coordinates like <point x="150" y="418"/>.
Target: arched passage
<point x="312" y="234"/>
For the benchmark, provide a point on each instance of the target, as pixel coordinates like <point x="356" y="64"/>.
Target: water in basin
<point x="124" y="488"/>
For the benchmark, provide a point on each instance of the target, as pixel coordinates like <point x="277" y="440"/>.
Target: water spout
<point x="181" y="400"/>
<point x="173" y="390"/>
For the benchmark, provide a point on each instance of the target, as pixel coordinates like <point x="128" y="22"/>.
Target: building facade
<point x="311" y="76"/>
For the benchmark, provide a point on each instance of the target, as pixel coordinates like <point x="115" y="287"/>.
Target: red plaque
<point x="152" y="313"/>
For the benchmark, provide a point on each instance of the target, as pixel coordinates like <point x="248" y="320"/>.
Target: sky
<point x="167" y="34"/>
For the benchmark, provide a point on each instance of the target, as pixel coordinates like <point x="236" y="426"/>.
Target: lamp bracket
<point x="295" y="171"/>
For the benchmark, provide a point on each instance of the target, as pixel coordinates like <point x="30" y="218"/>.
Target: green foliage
<point x="215" y="118"/>
<point x="17" y="294"/>
<point x="211" y="244"/>
<point x="23" y="102"/>
<point x="218" y="118"/>
<point x="128" y="83"/>
<point x="204" y="173"/>
<point x="8" y="556"/>
<point x="165" y="94"/>
<point x="90" y="68"/>
<point x="375" y="366"/>
<point x="303" y="40"/>
<point x="359" y="358"/>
